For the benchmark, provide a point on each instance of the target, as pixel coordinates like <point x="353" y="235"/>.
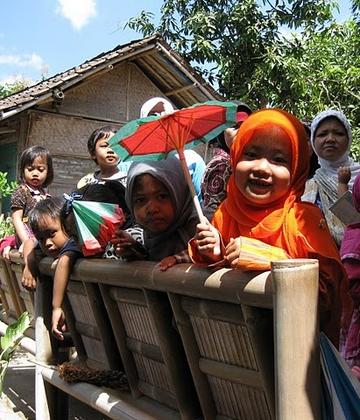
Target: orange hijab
<point x="296" y="227"/>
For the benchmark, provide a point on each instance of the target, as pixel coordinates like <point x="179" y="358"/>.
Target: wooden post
<point x="296" y="337"/>
<point x="50" y="403"/>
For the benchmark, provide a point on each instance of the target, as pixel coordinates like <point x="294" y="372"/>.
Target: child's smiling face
<point x="262" y="174"/>
<point x="152" y="204"/>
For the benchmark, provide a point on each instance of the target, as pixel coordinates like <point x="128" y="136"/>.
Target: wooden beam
<point x="182" y="89"/>
<point x="230" y="373"/>
<point x="5" y="130"/>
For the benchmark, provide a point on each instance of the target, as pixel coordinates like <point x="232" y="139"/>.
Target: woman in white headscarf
<point x="156" y="106"/>
<point x="331" y="140"/>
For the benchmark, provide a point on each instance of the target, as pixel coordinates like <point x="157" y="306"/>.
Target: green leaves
<point x="13" y="335"/>
<point x="9" y="342"/>
<point x="10" y="88"/>
<point x="142" y="23"/>
<point x="6" y="187"/>
<point x="6" y="226"/>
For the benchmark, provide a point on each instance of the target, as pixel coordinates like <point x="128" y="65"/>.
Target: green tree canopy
<point x="10" y="88"/>
<point x="291" y="54"/>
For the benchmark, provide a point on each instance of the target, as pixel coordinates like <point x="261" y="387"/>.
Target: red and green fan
<point x="96" y="223"/>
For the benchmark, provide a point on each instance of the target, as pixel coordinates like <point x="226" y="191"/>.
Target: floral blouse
<point x="214" y="183"/>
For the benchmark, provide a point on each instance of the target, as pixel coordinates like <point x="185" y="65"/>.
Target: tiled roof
<point x="167" y="69"/>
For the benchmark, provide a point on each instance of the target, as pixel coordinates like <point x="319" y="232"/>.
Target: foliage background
<point x="290" y="54"/>
<point x="10" y="88"/>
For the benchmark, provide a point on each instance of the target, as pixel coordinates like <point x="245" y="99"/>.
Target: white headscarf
<point x="151" y="103"/>
<point x="326" y="175"/>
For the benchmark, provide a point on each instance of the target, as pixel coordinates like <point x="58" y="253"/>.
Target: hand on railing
<point x="126" y="246"/>
<point x="28" y="280"/>
<point x="58" y="326"/>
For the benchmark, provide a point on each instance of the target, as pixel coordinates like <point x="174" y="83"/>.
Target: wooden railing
<point x="194" y="343"/>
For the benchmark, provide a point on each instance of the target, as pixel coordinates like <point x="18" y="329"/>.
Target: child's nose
<point x="262" y="164"/>
<point x="48" y="242"/>
<point x="151" y="206"/>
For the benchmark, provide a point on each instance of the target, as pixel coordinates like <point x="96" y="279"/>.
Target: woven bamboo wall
<point x="116" y="95"/>
<point x="66" y="138"/>
<point x="62" y="135"/>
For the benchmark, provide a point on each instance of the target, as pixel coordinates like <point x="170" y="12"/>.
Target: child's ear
<point x="93" y="157"/>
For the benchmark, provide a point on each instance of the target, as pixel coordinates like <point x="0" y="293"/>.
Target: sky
<point x="40" y="38"/>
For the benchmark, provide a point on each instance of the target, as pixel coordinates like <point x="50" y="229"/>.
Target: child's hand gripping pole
<point x="208" y="240"/>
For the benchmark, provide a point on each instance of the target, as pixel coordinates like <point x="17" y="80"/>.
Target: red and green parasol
<point x="155" y="136"/>
<point x="96" y="223"/>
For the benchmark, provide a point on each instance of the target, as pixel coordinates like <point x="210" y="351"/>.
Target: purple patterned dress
<point x="214" y="183"/>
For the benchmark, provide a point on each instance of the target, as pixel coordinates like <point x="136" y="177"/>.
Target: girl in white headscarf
<point x="331" y="140"/>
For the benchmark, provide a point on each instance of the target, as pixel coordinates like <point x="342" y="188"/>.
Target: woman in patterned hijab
<point x="331" y="140"/>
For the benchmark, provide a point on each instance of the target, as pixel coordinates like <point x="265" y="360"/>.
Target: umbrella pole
<point x="191" y="185"/>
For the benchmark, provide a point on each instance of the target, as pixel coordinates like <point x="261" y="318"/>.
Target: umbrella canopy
<point x="96" y="223"/>
<point x="340" y="388"/>
<point x="155" y="136"/>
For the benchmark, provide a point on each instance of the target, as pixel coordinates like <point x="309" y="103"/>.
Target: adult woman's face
<point x="331" y="139"/>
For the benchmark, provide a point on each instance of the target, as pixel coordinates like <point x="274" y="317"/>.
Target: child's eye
<point x="280" y="159"/>
<point x="138" y="200"/>
<point x="163" y="196"/>
<point x="250" y="154"/>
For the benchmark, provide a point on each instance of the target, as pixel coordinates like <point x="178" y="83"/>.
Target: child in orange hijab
<point x="263" y="220"/>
